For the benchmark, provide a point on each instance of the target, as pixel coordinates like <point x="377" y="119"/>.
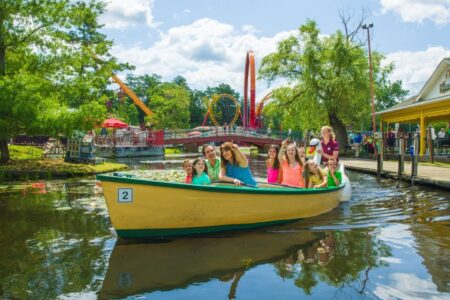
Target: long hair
<point x="276" y="163"/>
<point x="330" y="129"/>
<point x="297" y="156"/>
<point x="194" y="171"/>
<point x="226" y="146"/>
<point x="309" y="171"/>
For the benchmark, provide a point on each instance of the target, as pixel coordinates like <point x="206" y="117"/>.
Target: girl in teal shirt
<point x="200" y="172"/>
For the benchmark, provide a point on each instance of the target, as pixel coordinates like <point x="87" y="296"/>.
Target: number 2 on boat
<point x="125" y="195"/>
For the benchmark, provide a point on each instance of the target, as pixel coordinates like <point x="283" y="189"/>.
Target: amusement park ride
<point x="251" y="118"/>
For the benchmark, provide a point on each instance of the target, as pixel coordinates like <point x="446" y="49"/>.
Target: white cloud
<point x="414" y="68"/>
<point x="397" y="236"/>
<point x="124" y="14"/>
<point x="437" y="11"/>
<point x="408" y="286"/>
<point x="206" y="52"/>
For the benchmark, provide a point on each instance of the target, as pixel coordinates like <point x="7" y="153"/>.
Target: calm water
<point x="387" y="242"/>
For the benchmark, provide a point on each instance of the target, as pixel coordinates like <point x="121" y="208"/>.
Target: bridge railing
<point x="218" y="131"/>
<point x="230" y="131"/>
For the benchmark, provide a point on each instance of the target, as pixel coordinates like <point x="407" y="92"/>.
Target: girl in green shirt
<point x="334" y="176"/>
<point x="200" y="172"/>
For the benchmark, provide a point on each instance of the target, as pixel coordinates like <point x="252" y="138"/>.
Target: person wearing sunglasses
<point x="234" y="166"/>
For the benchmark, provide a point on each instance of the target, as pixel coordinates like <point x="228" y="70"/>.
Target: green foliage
<point x="172" y="151"/>
<point x="50" y="84"/>
<point x="142" y="87"/>
<point x="224" y="109"/>
<point x="198" y="107"/>
<point x="388" y="93"/>
<point x="328" y="80"/>
<point x="25" y="152"/>
<point x="34" y="167"/>
<point x="170" y="102"/>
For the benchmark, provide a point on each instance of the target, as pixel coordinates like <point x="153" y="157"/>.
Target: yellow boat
<point x="148" y="208"/>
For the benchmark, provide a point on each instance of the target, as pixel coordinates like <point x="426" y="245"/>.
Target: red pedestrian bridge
<point x="240" y="136"/>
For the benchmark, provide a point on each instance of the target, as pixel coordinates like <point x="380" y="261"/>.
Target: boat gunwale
<point x="223" y="189"/>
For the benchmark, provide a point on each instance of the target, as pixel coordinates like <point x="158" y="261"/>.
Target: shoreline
<point x="430" y="176"/>
<point x="38" y="169"/>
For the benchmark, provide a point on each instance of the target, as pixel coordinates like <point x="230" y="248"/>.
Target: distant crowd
<point x="286" y="165"/>
<point x="363" y="144"/>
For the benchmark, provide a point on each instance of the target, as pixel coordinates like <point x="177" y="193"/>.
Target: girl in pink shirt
<point x="273" y="165"/>
<point x="291" y="165"/>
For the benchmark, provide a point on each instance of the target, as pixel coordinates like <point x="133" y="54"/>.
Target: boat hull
<point x="152" y="208"/>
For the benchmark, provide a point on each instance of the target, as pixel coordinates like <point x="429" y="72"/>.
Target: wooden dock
<point x="431" y="175"/>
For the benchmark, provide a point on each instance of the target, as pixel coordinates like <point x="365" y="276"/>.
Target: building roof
<point x="418" y="99"/>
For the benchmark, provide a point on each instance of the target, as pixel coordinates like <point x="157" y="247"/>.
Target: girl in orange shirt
<point x="291" y="165"/>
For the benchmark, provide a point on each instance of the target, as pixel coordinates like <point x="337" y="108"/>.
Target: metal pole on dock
<point x="401" y="158"/>
<point x="414" y="160"/>
<point x="379" y="155"/>
<point x="430" y="144"/>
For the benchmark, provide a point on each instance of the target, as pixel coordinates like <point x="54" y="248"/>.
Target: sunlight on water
<point x="56" y="241"/>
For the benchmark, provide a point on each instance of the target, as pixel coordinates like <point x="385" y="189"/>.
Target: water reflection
<point x="45" y="250"/>
<point x="146" y="267"/>
<point x="305" y="257"/>
<point x="387" y="242"/>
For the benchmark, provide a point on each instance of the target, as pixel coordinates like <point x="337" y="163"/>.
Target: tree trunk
<point x="4" y="157"/>
<point x="4" y="151"/>
<point x="339" y="130"/>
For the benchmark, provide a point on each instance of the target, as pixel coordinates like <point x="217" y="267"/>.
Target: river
<point x="388" y="242"/>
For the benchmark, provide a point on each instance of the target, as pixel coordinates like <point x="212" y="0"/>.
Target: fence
<point x="441" y="147"/>
<point x="229" y="131"/>
<point x="141" y="138"/>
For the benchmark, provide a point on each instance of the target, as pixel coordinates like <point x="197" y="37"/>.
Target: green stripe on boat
<point x="223" y="189"/>
<point x="165" y="232"/>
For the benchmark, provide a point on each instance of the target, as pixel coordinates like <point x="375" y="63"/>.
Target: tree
<point x="197" y="108"/>
<point x="49" y="83"/>
<point x="141" y="86"/>
<point x="328" y="76"/>
<point x="170" y="102"/>
<point x="224" y="110"/>
<point x="388" y="94"/>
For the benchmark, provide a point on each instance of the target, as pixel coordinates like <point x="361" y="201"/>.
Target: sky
<point x="206" y="41"/>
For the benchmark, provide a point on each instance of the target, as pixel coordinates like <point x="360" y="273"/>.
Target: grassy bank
<point x="26" y="164"/>
<point x="170" y="151"/>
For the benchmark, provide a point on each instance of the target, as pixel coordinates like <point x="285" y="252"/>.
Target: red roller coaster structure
<point x="249" y="71"/>
<point x="251" y="118"/>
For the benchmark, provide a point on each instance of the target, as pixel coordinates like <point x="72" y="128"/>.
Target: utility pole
<point x="374" y="124"/>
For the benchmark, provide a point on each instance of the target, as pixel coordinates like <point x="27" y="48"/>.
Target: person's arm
<point x="310" y="184"/>
<point x="333" y="156"/>
<point x="324" y="181"/>
<point x="281" y="152"/>
<point x="240" y="158"/>
<point x="280" y="175"/>
<point x="224" y="177"/>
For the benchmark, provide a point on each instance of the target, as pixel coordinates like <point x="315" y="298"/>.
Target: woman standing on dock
<point x="330" y="147"/>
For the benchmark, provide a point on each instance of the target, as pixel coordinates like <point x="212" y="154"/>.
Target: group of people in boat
<point x="287" y="165"/>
